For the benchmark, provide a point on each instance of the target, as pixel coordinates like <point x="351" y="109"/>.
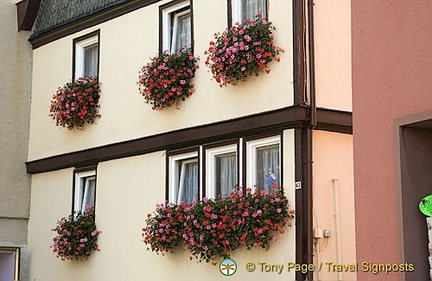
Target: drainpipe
<point x="311" y="54"/>
<point x="336" y="223"/>
<point x="313" y="122"/>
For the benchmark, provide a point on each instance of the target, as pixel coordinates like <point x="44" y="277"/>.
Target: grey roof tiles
<point x="54" y="13"/>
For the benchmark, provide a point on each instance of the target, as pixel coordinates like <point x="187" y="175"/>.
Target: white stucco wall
<point x="126" y="44"/>
<point x="127" y="190"/>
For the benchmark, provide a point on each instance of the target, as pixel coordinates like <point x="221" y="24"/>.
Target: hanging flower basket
<point x="76" y="103"/>
<point x="76" y="236"/>
<point x="211" y="229"/>
<point x="165" y="81"/>
<point x="242" y="50"/>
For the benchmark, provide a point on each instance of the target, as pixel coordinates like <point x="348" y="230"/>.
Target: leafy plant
<point x="242" y="50"/>
<point x="76" y="103"/>
<point x="166" y="79"/>
<point x="76" y="236"/>
<point x="209" y="229"/>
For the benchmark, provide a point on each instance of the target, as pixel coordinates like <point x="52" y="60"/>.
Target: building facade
<point x="293" y="123"/>
<point x="392" y="135"/>
<point x="15" y="81"/>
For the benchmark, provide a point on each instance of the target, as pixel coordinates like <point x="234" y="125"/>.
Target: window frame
<point x="234" y="11"/>
<point x="173" y="9"/>
<point x="210" y="166"/>
<point x="79" y="189"/>
<point x="16" y="251"/>
<point x="251" y="147"/>
<point x="78" y="59"/>
<point x="173" y="173"/>
<point x="246" y="166"/>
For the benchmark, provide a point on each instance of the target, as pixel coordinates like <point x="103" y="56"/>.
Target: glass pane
<point x="89" y="193"/>
<point x="188" y="181"/>
<point x="226" y="174"/>
<point x="250" y="8"/>
<point x="7" y="265"/>
<point x="268" y="167"/>
<point x="90" y="60"/>
<point x="182" y="34"/>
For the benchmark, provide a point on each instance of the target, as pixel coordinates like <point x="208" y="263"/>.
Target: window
<point x="176" y="26"/>
<point x="84" y="190"/>
<point x="86" y="57"/>
<point x="9" y="263"/>
<point x="183" y="181"/>
<point x="219" y="168"/>
<point x="263" y="163"/>
<point x="247" y="9"/>
<point x="221" y="171"/>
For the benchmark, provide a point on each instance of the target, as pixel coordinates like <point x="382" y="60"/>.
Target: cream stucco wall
<point x="333" y="159"/>
<point x="332" y="24"/>
<point x="15" y="85"/>
<point x="127" y="190"/>
<point x="126" y="44"/>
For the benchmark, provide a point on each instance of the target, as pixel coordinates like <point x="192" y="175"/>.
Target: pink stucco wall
<point x="392" y="71"/>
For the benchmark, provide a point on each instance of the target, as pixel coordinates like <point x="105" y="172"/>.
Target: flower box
<point x="210" y="229"/>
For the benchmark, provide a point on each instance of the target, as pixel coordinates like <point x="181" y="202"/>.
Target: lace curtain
<point x="268" y="167"/>
<point x="226" y="174"/>
<point x="91" y="60"/>
<point x="188" y="182"/>
<point x="250" y="8"/>
<point x="181" y="32"/>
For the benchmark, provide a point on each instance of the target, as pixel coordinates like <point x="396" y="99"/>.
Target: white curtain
<point x="226" y="174"/>
<point x="188" y="182"/>
<point x="250" y="8"/>
<point x="182" y="35"/>
<point x="89" y="193"/>
<point x="90" y="60"/>
<point x="268" y="167"/>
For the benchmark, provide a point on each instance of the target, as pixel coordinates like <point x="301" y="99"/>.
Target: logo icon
<point x="228" y="267"/>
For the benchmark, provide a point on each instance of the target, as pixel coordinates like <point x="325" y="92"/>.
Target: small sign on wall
<point x="425" y="207"/>
<point x="429" y="226"/>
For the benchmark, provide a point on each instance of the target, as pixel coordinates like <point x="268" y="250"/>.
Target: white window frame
<point x="237" y="9"/>
<point x="15" y="254"/>
<point x="251" y="158"/>
<point x="211" y="167"/>
<point x="80" y="188"/>
<point x="173" y="182"/>
<point x="79" y="54"/>
<point x="167" y="33"/>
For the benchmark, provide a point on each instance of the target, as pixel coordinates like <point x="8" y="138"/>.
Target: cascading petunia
<point x="243" y="50"/>
<point x="76" y="103"/>
<point x="165" y="80"/>
<point x="210" y="229"/>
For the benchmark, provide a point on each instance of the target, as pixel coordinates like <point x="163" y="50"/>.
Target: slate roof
<point x="54" y="13"/>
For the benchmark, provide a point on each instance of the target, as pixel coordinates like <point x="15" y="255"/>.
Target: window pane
<point x="181" y="34"/>
<point x="90" y="60"/>
<point x="188" y="181"/>
<point x="250" y="8"/>
<point x="89" y="193"/>
<point x="268" y="167"/>
<point x="226" y="174"/>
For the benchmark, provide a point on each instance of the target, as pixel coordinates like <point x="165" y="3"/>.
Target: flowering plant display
<point x="76" y="103"/>
<point x="166" y="79"/>
<point x="209" y="229"/>
<point x="76" y="236"/>
<point x="242" y="50"/>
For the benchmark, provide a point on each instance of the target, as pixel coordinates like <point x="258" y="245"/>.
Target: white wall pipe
<point x="335" y="183"/>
